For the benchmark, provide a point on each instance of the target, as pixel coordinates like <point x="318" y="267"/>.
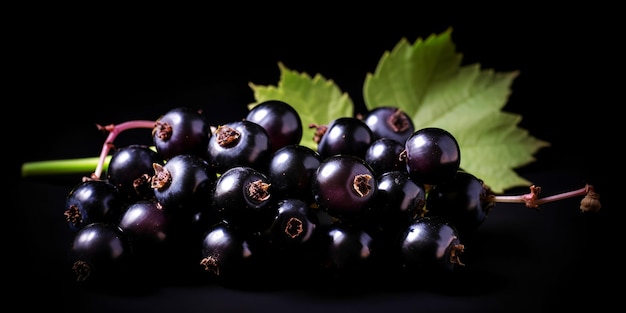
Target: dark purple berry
<point x="131" y="169"/>
<point x="181" y="130"/>
<point x="399" y="200"/>
<point x="226" y="255"/>
<point x="100" y="252"/>
<point x="432" y="155"/>
<point x="290" y="172"/>
<point x="147" y="226"/>
<point x="281" y="121"/>
<point x="242" y="197"/>
<point x="93" y="201"/>
<point x="344" y="186"/>
<point x="295" y="224"/>
<point x="431" y="245"/>
<point x="183" y="185"/>
<point x="239" y="143"/>
<point x="464" y="200"/>
<point x="384" y="155"/>
<point x="389" y="122"/>
<point x="345" y="135"/>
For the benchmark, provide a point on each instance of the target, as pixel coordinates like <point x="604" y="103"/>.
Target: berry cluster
<point x="246" y="200"/>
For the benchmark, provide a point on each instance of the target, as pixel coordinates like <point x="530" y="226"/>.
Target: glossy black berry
<point x="352" y="252"/>
<point x="464" y="200"/>
<point x="294" y="224"/>
<point x="385" y="155"/>
<point x="290" y="172"/>
<point x="239" y="143"/>
<point x="281" y="121"/>
<point x="345" y="135"/>
<point x="181" y="130"/>
<point x="431" y="245"/>
<point x="389" y="122"/>
<point x="344" y="186"/>
<point x="93" y="201"/>
<point x="183" y="185"/>
<point x="399" y="200"/>
<point x="242" y="197"/>
<point x="226" y="256"/>
<point x="432" y="155"/>
<point x="130" y="170"/>
<point x="100" y="252"/>
<point x="147" y="226"/>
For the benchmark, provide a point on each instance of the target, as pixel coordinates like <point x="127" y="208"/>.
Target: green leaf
<point x="427" y="81"/>
<point x="317" y="100"/>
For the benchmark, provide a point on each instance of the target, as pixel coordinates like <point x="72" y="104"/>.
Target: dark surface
<point x="75" y="71"/>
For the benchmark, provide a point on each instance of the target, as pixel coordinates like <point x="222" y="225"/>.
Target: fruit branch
<point x="590" y="202"/>
<point x="113" y="131"/>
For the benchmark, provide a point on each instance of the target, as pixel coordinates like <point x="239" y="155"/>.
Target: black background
<point x="74" y="67"/>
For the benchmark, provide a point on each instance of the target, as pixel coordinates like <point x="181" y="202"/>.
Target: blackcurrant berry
<point x="389" y="122"/>
<point x="290" y="172"/>
<point x="130" y="170"/>
<point x="242" y="197"/>
<point x="345" y="135"/>
<point x="384" y="155"/>
<point x="431" y="245"/>
<point x="147" y="226"/>
<point x="281" y="121"/>
<point x="344" y="186"/>
<point x="464" y="200"/>
<point x="239" y="143"/>
<point x="93" y="201"/>
<point x="226" y="255"/>
<point x="432" y="155"/>
<point x="100" y="252"/>
<point x="181" y="130"/>
<point x="295" y="224"/>
<point x="399" y="200"/>
<point x="352" y="252"/>
<point x="183" y="185"/>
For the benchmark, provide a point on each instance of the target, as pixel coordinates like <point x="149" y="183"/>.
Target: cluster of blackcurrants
<point x="245" y="202"/>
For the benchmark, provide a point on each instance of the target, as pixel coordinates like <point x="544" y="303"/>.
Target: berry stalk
<point x="82" y="165"/>
<point x="58" y="167"/>
<point x="114" y="130"/>
<point x="590" y="202"/>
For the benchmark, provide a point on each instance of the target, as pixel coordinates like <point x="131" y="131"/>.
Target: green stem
<point x="67" y="166"/>
<point x="85" y="165"/>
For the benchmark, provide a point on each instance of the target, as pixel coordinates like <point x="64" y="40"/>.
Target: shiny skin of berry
<point x="130" y="170"/>
<point x="351" y="251"/>
<point x="93" y="201"/>
<point x="384" y="155"/>
<point x="399" y="200"/>
<point x="464" y="200"/>
<point x="183" y="185"/>
<point x="295" y="224"/>
<point x="291" y="170"/>
<point x="430" y="245"/>
<point x="345" y="135"/>
<point x="389" y="122"/>
<point x="344" y="186"/>
<point x="432" y="155"/>
<point x="239" y="143"/>
<point x="181" y="130"/>
<point x="281" y="121"/>
<point x="226" y="254"/>
<point x="147" y="226"/>
<point x="100" y="252"/>
<point x="242" y="197"/>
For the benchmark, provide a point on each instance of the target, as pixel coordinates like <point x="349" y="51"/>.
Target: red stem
<point x="115" y="130"/>
<point x="590" y="202"/>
